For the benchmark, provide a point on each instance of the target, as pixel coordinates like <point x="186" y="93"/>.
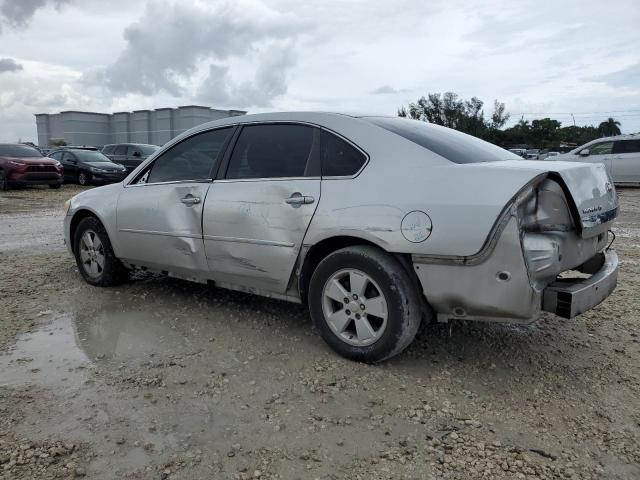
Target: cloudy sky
<point x="540" y="58"/>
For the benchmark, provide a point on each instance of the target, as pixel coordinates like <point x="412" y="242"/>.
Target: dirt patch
<point x="160" y="378"/>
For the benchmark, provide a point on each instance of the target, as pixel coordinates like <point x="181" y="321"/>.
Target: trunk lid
<point x="587" y="187"/>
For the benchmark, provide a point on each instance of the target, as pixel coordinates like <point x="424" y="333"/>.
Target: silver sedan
<point x="375" y="223"/>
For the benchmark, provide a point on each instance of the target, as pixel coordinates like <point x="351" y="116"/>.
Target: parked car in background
<point x="129" y="154"/>
<point x="373" y="222"/>
<point x="25" y="165"/>
<point x="532" y="154"/>
<point x="620" y="155"/>
<point x="552" y="154"/>
<point x="86" y="165"/>
<point x="521" y="152"/>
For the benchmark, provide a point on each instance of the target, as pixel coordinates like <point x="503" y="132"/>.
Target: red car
<point x="25" y="165"/>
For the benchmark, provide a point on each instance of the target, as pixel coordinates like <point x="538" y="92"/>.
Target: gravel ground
<point x="162" y="379"/>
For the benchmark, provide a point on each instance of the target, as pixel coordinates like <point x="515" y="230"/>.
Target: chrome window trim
<point x="134" y="185"/>
<point x="161" y="151"/>
<point x="265" y="179"/>
<point x="321" y="127"/>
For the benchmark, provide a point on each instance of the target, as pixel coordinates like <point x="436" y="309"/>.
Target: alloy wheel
<point x="92" y="255"/>
<point x="354" y="307"/>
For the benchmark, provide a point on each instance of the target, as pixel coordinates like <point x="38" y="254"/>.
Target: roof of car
<point x="626" y="136"/>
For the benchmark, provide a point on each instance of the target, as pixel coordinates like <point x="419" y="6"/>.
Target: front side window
<point x="56" y="155"/>
<point x="339" y="158"/>
<point x="120" y="150"/>
<point x="626" y="146"/>
<point x="271" y="151"/>
<point x="69" y="157"/>
<point x="602" y="148"/>
<point x="193" y="159"/>
<point x="108" y="150"/>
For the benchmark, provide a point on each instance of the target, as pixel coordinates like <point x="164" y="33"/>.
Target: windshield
<point x="91" y="156"/>
<point x="21" y="151"/>
<point x="455" y="146"/>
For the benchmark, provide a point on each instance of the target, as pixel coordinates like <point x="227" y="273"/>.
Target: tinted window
<point x="20" y="151"/>
<point x="56" y="155"/>
<point x="455" y="146"/>
<point x="120" y="150"/>
<point x="271" y="151"/>
<point x="602" y="148"/>
<point x="193" y="159"/>
<point x="339" y="158"/>
<point x="108" y="150"/>
<point x="626" y="146"/>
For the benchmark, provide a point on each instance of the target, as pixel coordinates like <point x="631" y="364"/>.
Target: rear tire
<point x="84" y="178"/>
<point x="96" y="261"/>
<point x="364" y="303"/>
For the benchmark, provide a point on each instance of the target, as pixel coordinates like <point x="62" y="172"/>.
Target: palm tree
<point x="609" y="128"/>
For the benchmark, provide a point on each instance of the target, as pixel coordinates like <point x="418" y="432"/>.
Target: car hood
<point x="587" y="186"/>
<point x="33" y="160"/>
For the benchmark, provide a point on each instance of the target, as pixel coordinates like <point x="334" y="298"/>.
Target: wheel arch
<point x="320" y="250"/>
<point x="77" y="217"/>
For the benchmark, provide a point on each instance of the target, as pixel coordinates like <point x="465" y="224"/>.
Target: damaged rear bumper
<point x="568" y="298"/>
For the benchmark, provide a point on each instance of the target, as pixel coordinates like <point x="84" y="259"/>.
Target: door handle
<point x="297" y="199"/>
<point x="190" y="200"/>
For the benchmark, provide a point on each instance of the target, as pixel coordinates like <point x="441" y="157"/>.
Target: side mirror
<point x="585" y="152"/>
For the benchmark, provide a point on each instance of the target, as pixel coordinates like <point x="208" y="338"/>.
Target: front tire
<point x="96" y="261"/>
<point x="84" y="178"/>
<point x="364" y="303"/>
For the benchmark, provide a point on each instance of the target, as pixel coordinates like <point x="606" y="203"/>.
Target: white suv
<point x="620" y="155"/>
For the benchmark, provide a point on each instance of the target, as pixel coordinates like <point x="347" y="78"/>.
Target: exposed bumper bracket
<point x="568" y="298"/>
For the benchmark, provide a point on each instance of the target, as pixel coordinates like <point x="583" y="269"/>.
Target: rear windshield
<point x="455" y="146"/>
<point x="23" y="151"/>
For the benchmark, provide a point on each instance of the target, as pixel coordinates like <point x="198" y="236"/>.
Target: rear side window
<point x="56" y="155"/>
<point x="626" y="146"/>
<point x="108" y="150"/>
<point x="193" y="159"/>
<point x="339" y="158"/>
<point x="120" y="150"/>
<point x="271" y="151"/>
<point x="457" y="147"/>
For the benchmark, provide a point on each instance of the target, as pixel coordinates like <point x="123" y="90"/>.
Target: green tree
<point x="58" y="142"/>
<point x="450" y="111"/>
<point x="609" y="127"/>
